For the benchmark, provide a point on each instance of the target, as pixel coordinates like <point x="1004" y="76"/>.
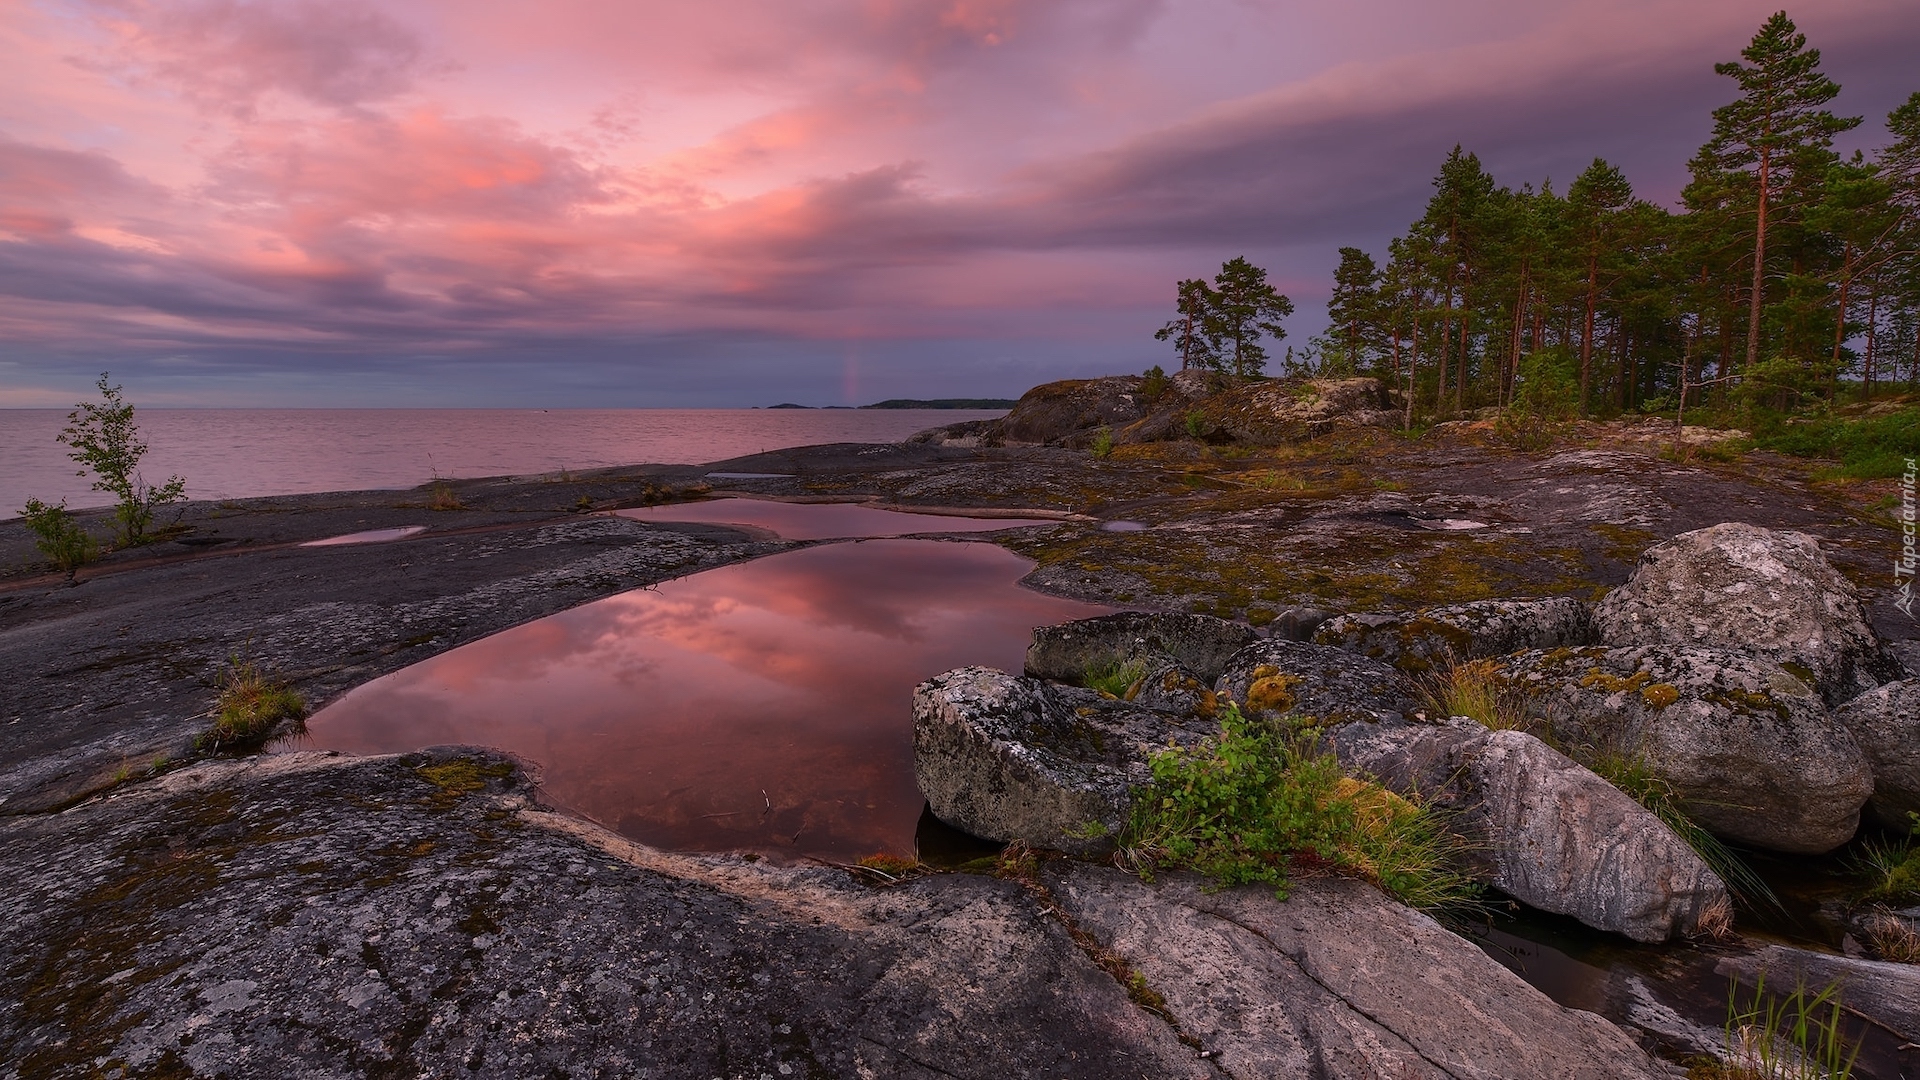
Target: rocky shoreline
<point x="317" y="915"/>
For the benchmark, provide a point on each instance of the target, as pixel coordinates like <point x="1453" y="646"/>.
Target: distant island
<point x="917" y="403"/>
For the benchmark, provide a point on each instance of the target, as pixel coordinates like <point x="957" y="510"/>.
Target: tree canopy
<point x="1786" y="272"/>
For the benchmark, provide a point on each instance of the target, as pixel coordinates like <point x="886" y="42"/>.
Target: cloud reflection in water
<point x="666" y="713"/>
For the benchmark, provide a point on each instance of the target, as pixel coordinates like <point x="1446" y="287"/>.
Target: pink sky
<point x="587" y="202"/>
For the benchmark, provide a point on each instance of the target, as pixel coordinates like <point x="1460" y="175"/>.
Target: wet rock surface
<point x="1886" y="724"/>
<point x="1750" y="750"/>
<point x="1542" y="828"/>
<point x="1739" y="586"/>
<point x="1434" y="638"/>
<point x="312" y="915"/>
<point x="1336" y="982"/>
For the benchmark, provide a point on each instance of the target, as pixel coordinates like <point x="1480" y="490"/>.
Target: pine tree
<point x="1353" y="310"/>
<point x="1596" y="207"/>
<point x="1246" y="309"/>
<point x="1775" y="133"/>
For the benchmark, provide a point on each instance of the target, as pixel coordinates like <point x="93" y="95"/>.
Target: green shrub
<point x="1154" y="383"/>
<point x="58" y="536"/>
<point x="1241" y="807"/>
<point x="1196" y="422"/>
<point x="1102" y="442"/>
<point x="105" y="442"/>
<point x="1876" y="446"/>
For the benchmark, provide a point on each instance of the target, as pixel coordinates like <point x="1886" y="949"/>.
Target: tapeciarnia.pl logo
<point x="1904" y="566"/>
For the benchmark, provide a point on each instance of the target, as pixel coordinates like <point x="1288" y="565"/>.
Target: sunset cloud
<point x="715" y="204"/>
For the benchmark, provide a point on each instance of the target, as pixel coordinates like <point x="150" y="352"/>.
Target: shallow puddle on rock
<point x="370" y="536"/>
<point x="763" y="706"/>
<point x="822" y="521"/>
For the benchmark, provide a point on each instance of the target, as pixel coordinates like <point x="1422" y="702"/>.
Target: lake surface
<point x="238" y="453"/>
<point x="764" y="706"/>
<point x="823" y="521"/>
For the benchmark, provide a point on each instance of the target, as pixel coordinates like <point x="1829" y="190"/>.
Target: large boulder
<point x="1011" y="758"/>
<point x="1750" y="750"/>
<point x="1200" y="644"/>
<point x="1336" y="982"/>
<point x="1055" y="412"/>
<point x="1438" y="636"/>
<point x="1886" y="724"/>
<point x="1739" y="586"/>
<point x="1276" y="411"/>
<point x="1543" y="828"/>
<point x="1300" y="682"/>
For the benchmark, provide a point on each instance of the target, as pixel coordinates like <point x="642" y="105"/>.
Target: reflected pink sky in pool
<point x="763" y="706"/>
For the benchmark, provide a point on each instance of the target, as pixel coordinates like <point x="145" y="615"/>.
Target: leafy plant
<point x="1154" y="383"/>
<point x="1247" y="805"/>
<point x="58" y="536"/>
<point x="251" y="708"/>
<point x="105" y="441"/>
<point x="1196" y="422"/>
<point x="1102" y="442"/>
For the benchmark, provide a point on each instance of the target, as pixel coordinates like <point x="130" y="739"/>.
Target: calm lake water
<point x="237" y="453"/>
<point x="763" y="706"/>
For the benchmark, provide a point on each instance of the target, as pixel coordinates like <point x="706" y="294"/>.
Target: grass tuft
<point x="1892" y="867"/>
<point x="1251" y="803"/>
<point x="1795" y="1036"/>
<point x="1116" y="678"/>
<point x="1476" y="689"/>
<point x="442" y="497"/>
<point x="252" y="708"/>
<point x="1892" y="938"/>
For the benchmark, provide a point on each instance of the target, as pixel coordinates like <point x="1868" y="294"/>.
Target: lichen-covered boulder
<point x="1054" y="412"/>
<point x="1739" y="586"/>
<point x="1200" y="644"/>
<point x="1168" y="687"/>
<point x="1750" y="750"/>
<point x="1542" y="827"/>
<point x="1886" y="724"/>
<point x="1011" y="758"/>
<point x="1301" y="681"/>
<point x="1278" y="411"/>
<point x="1438" y="636"/>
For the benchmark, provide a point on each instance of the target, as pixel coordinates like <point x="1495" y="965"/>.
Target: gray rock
<point x="1542" y="827"/>
<point x="313" y="916"/>
<point x="1751" y="752"/>
<point x="1886" y="994"/>
<point x="1437" y="637"/>
<point x="1739" y="586"/>
<point x="1055" y="412"/>
<point x="1297" y="623"/>
<point x="1336" y="982"/>
<point x="1199" y="643"/>
<point x="1011" y="758"/>
<point x="1886" y="724"/>
<point x="1282" y="679"/>
<point x="1278" y="411"/>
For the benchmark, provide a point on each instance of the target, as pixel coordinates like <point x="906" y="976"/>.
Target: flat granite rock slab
<point x="316" y="915"/>
<point x="1337" y="982"/>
